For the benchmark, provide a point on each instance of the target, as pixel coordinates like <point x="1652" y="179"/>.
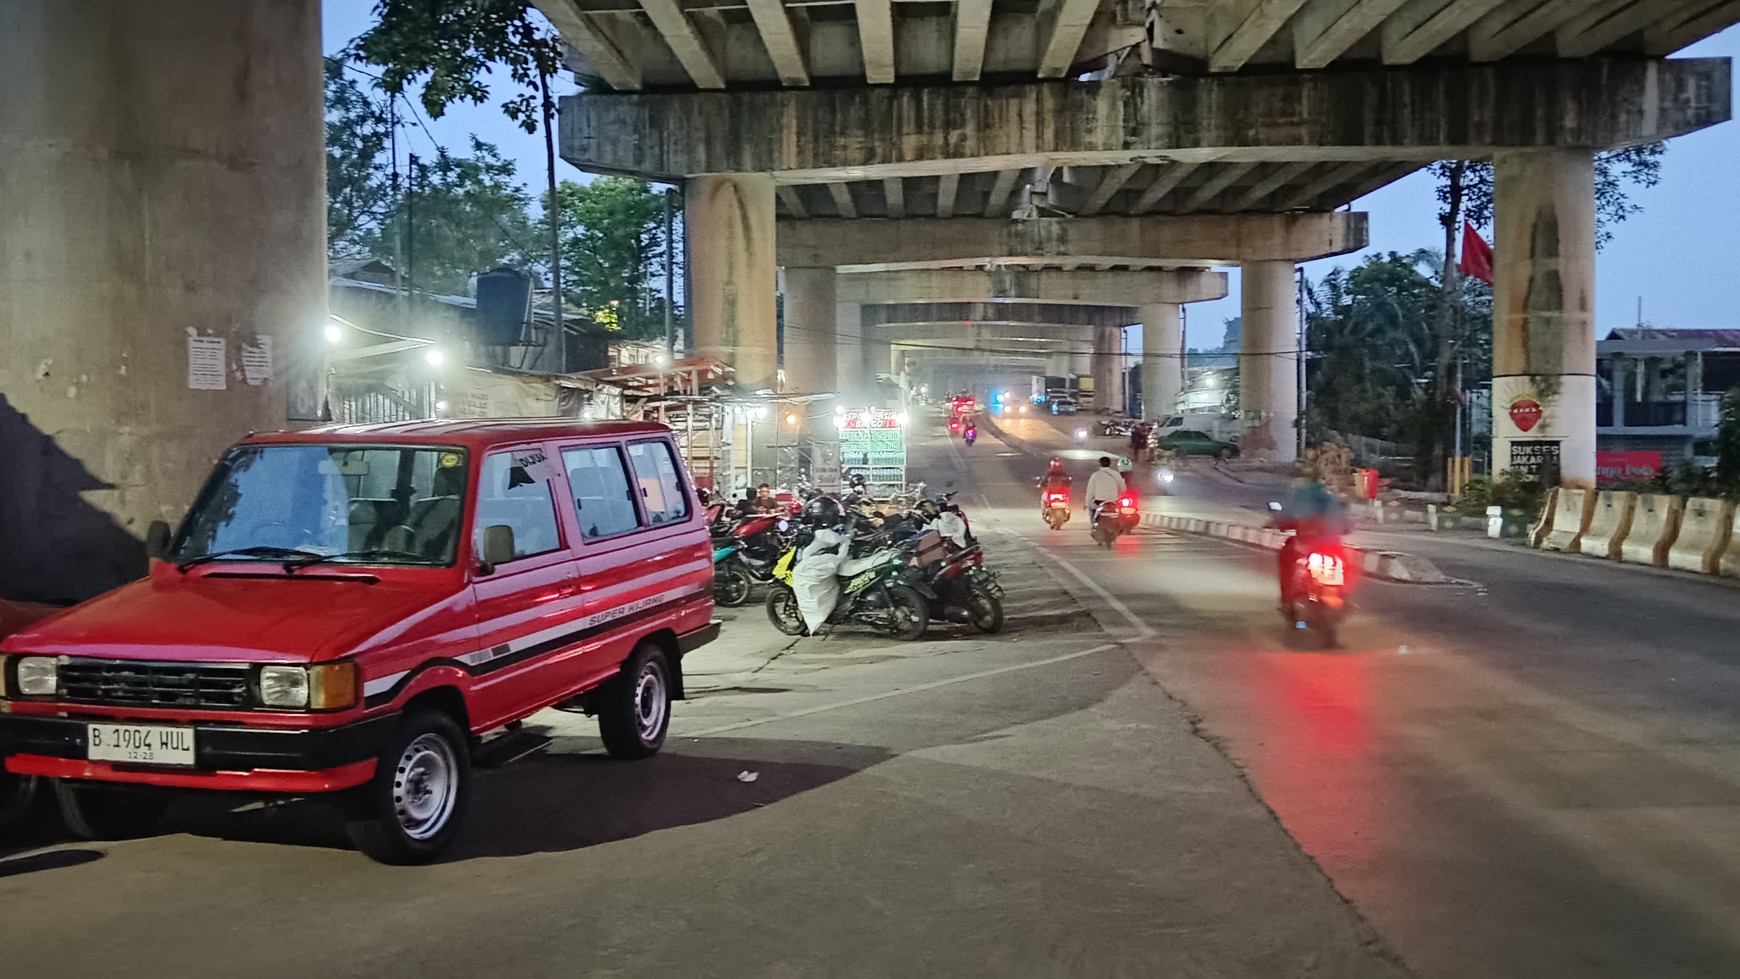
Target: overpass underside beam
<point x="1419" y="113"/>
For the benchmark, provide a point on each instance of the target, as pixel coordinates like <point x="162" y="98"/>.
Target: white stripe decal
<point x="381" y="684"/>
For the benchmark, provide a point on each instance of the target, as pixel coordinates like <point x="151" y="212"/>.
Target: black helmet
<point x="823" y="511"/>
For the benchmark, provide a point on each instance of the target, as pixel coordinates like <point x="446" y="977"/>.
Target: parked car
<point x="347" y="612"/>
<point x="1063" y="405"/>
<point x="1188" y="442"/>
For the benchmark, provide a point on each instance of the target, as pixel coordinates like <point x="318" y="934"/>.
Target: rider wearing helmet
<point x="1313" y="514"/>
<point x="822" y="512"/>
<point x="1056" y="479"/>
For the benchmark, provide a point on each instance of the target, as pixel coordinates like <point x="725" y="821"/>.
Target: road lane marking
<point x="902" y="691"/>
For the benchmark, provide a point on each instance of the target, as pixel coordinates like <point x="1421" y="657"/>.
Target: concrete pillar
<point x="162" y="179"/>
<point x="733" y="284"/>
<point x="856" y="378"/>
<point x="1109" y="368"/>
<point x="811" y="351"/>
<point x="1269" y="365"/>
<point x="1162" y="359"/>
<point x="1543" y="351"/>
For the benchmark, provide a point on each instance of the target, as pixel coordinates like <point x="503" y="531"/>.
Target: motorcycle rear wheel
<point x="908" y="613"/>
<point x="782" y="609"/>
<point x="984" y="608"/>
<point x="732" y="586"/>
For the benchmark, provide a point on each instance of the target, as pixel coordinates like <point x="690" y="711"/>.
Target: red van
<point x="349" y="610"/>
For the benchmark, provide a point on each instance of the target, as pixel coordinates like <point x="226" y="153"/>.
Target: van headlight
<point x="36" y="676"/>
<point x="325" y="686"/>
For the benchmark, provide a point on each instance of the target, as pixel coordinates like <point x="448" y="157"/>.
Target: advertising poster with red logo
<point x="1613" y="467"/>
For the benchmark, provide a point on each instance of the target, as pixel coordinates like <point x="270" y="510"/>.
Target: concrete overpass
<point x="905" y="118"/>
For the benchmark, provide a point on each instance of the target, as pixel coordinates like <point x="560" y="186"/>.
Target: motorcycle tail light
<point x="1326" y="569"/>
<point x="1057" y="497"/>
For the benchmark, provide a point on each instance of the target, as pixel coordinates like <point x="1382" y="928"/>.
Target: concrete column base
<point x="733" y="283"/>
<point x="1162" y="359"/>
<point x="1543" y="362"/>
<point x="1269" y="365"/>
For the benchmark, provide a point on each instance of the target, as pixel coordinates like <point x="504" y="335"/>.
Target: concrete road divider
<point x="1655" y="522"/>
<point x="1609" y="524"/>
<point x="1382" y="565"/>
<point x="1729" y="565"/>
<point x="1706" y="527"/>
<point x="1572" y="509"/>
<point x="1543" y="524"/>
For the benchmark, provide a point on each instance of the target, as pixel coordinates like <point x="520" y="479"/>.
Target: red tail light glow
<point x="1326" y="569"/>
<point x="1127" y="504"/>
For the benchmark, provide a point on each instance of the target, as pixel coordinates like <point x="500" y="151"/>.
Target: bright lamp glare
<point x="333" y="333"/>
<point x="902" y="419"/>
<point x="791" y="419"/>
<point x="434" y="356"/>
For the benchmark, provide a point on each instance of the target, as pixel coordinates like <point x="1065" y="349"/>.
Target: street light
<point x="334" y="332"/>
<point x="791" y="418"/>
<point x="434" y="356"/>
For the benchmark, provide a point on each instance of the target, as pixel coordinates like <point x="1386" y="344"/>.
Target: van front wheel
<point x="95" y="811"/>
<point x="634" y="708"/>
<point x="413" y="806"/>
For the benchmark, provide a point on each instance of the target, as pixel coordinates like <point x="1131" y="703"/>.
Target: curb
<point x="1391" y="566"/>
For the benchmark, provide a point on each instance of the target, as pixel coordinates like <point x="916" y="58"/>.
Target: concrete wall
<point x="163" y="175"/>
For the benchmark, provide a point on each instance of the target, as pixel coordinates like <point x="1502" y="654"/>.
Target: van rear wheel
<point x="97" y="811"/>
<point x="634" y="708"/>
<point x="413" y="806"/>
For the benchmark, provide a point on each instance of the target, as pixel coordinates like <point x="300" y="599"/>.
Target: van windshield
<point x="342" y="503"/>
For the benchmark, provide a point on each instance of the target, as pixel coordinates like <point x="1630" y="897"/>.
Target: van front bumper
<point x="225" y="756"/>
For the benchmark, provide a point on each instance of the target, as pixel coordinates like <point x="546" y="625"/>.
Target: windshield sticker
<point x="450" y="460"/>
<point x="530" y="467"/>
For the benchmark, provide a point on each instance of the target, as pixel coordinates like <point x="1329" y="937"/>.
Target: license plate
<point x="140" y="744"/>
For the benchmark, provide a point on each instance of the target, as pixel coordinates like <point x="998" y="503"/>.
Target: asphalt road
<point x="1533" y="774"/>
<point x="1536" y="773"/>
<point x="1026" y="805"/>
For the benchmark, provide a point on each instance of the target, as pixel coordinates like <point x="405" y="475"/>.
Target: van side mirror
<point x="157" y="539"/>
<point x="498" y="546"/>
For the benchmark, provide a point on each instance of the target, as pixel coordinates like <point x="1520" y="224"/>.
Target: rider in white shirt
<point x="1105" y="485"/>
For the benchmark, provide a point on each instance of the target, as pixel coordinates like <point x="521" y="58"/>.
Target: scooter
<point x="971" y="435"/>
<point x="882" y="591"/>
<point x="744" y="555"/>
<point x="1319" y="587"/>
<point x="1113" y="519"/>
<point x="966" y="591"/>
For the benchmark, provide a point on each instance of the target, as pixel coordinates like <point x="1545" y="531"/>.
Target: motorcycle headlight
<point x="36" y="676"/>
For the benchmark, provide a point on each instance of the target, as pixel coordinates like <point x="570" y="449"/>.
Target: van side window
<point x="514" y="490"/>
<point x="661" y="489"/>
<point x="602" y="497"/>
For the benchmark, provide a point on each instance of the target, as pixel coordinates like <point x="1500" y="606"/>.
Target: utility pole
<point x="670" y="289"/>
<point x="554" y="214"/>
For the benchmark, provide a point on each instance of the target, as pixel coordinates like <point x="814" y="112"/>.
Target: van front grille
<point x="121" y="683"/>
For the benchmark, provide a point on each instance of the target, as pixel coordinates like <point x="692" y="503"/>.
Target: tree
<point x="461" y="215"/>
<point x="613" y="250"/>
<point x="449" y="46"/>
<point x="358" y="193"/>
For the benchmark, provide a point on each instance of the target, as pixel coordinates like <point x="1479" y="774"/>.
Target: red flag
<point x="1476" y="255"/>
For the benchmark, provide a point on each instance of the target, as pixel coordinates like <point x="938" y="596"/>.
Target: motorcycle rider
<point x="1104" y="486"/>
<point x="1056" y="479"/>
<point x="1314" y="515"/>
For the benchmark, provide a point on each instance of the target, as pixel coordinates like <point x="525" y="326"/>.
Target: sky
<point x="1681" y="256"/>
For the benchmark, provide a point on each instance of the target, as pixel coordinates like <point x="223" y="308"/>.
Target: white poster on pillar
<point x="1543" y="427"/>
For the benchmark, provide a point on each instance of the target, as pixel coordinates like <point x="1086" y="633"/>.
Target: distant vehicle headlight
<point x="37" y="676"/>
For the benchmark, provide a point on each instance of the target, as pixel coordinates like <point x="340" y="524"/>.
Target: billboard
<point x="1612" y="467"/>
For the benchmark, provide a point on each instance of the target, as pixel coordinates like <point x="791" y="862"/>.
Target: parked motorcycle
<point x="1114" y="518"/>
<point x="744" y="556"/>
<point x="964" y="589"/>
<point x="881" y="590"/>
